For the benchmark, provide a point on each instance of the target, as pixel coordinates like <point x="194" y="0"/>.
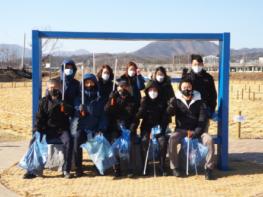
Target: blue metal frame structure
<point x="223" y="84"/>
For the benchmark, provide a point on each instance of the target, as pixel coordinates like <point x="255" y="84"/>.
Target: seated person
<point x="151" y="111"/>
<point x="88" y="117"/>
<point x="120" y="108"/>
<point x="191" y="116"/>
<point x="54" y="123"/>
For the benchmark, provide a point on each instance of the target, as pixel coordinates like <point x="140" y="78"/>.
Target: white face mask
<point x="159" y="78"/>
<point x="68" y="71"/>
<point x="197" y="69"/>
<point x="105" y="77"/>
<point x="131" y="73"/>
<point x="153" y="94"/>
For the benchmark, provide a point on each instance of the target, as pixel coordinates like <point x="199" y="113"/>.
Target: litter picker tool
<point x="62" y="108"/>
<point x="115" y="73"/>
<point x="146" y="159"/>
<point x="187" y="153"/>
<point x="113" y="101"/>
<point x="82" y="111"/>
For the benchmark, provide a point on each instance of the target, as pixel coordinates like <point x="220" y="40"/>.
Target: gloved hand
<point x="66" y="108"/>
<point x="83" y="110"/>
<point x="190" y="134"/>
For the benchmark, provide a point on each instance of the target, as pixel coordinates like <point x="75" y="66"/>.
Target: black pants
<point x="80" y="137"/>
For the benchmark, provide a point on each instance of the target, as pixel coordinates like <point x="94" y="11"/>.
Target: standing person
<point x="72" y="85"/>
<point x="105" y="80"/>
<point x="54" y="123"/>
<point x="164" y="83"/>
<point x="135" y="80"/>
<point x="151" y="111"/>
<point x="89" y="117"/>
<point x="203" y="82"/>
<point x="120" y="109"/>
<point x="191" y="116"/>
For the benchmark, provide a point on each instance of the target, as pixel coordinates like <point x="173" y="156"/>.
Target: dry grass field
<point x="245" y="96"/>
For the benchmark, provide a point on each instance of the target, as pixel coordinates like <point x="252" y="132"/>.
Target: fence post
<point x="242" y="93"/>
<point x="254" y="96"/>
<point x="239" y="126"/>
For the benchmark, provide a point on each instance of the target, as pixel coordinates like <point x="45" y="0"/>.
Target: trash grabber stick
<point x="62" y="107"/>
<point x="187" y="153"/>
<point x="82" y="86"/>
<point x="63" y="82"/>
<point x="154" y="170"/>
<point x="146" y="159"/>
<point x="115" y="73"/>
<point x="82" y="111"/>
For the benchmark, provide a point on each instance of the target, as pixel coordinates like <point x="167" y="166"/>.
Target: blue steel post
<point x="36" y="73"/>
<point x="223" y="100"/>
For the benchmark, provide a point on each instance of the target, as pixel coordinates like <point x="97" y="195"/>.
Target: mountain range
<point x="156" y="50"/>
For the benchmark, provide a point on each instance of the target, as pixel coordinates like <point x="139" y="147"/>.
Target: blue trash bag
<point x="121" y="146"/>
<point x="154" y="145"/>
<point x="36" y="157"/>
<point x="197" y="152"/>
<point x="100" y="152"/>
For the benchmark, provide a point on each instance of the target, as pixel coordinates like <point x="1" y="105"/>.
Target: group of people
<point x="101" y="106"/>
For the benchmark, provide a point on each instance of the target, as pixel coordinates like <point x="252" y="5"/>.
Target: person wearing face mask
<point x="191" y="116"/>
<point x="54" y="123"/>
<point x="120" y="108"/>
<point x="88" y="117"/>
<point x="151" y="112"/>
<point x="203" y="82"/>
<point x="135" y="80"/>
<point x="72" y="85"/>
<point x="164" y="83"/>
<point x="105" y="77"/>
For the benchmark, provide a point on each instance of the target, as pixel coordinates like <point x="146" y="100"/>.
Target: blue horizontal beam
<point x="130" y="36"/>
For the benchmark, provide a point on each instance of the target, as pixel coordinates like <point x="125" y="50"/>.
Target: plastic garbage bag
<point x="100" y="152"/>
<point x="35" y="158"/>
<point x="121" y="146"/>
<point x="197" y="152"/>
<point x="154" y="145"/>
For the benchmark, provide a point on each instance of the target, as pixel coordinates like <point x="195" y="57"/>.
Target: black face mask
<point x="187" y="92"/>
<point x="54" y="92"/>
<point x="123" y="93"/>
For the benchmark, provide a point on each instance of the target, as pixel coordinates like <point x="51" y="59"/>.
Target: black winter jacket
<point x="123" y="110"/>
<point x="203" y="82"/>
<point x="192" y="116"/>
<point x="49" y="118"/>
<point x="152" y="113"/>
<point x="166" y="89"/>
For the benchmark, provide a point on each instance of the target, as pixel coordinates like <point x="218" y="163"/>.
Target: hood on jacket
<point x="196" y="96"/>
<point x="151" y="84"/>
<point x="92" y="77"/>
<point x="68" y="62"/>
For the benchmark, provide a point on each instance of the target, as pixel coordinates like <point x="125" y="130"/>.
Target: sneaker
<point x="29" y="175"/>
<point x="162" y="172"/>
<point x="130" y="174"/>
<point x="208" y="174"/>
<point x="79" y="174"/>
<point x="176" y="172"/>
<point x="67" y="175"/>
<point x="117" y="173"/>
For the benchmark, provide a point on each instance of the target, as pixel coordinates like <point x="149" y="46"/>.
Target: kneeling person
<point x="54" y="123"/>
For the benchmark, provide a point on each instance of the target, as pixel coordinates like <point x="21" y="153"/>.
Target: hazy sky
<point x="243" y="18"/>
